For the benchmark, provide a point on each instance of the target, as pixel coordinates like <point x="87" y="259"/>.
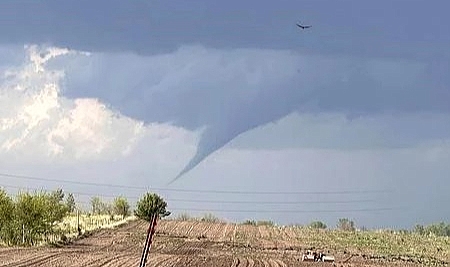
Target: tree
<point x="317" y="225"/>
<point x="36" y="214"/>
<point x="6" y="217"/>
<point x="56" y="208"/>
<point x="58" y="194"/>
<point x="97" y="205"/>
<point x="150" y="204"/>
<point x="70" y="202"/>
<point x="346" y="224"/>
<point x="121" y="206"/>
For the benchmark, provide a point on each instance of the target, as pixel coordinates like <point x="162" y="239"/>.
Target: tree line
<point x="30" y="218"/>
<point x="437" y="229"/>
<point x="345" y="224"/>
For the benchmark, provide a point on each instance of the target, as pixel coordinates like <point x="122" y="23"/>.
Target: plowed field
<point x="180" y="243"/>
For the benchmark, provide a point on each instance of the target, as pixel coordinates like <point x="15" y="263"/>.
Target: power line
<point x="245" y="202"/>
<point x="344" y="192"/>
<point x="288" y="211"/>
<point x="208" y="201"/>
<point x="273" y="202"/>
<point x="67" y="181"/>
<point x="203" y="210"/>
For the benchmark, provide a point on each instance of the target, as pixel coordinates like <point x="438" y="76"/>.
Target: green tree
<point x="6" y="217"/>
<point x="57" y="209"/>
<point x="37" y="214"/>
<point x="97" y="205"/>
<point x="58" y="195"/>
<point x="121" y="206"/>
<point x="70" y="202"/>
<point x="317" y="225"/>
<point x="150" y="204"/>
<point x="346" y="224"/>
<point x="100" y="207"/>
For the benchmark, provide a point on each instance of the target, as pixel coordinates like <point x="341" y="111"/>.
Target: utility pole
<point x="148" y="240"/>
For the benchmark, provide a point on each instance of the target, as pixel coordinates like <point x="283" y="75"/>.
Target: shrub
<point x="209" y="217"/>
<point x="184" y="217"/>
<point x="266" y="223"/>
<point x="317" y="225"/>
<point x="249" y="222"/>
<point x="345" y="224"/>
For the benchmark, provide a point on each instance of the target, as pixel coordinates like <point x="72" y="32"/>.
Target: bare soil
<point x="184" y="243"/>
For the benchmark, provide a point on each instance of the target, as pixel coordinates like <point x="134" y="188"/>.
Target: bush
<point x="317" y="225"/>
<point x="150" y="204"/>
<point x="266" y="223"/>
<point x="345" y="224"/>
<point x="258" y="223"/>
<point x="209" y="217"/>
<point x="184" y="217"/>
<point x="249" y="222"/>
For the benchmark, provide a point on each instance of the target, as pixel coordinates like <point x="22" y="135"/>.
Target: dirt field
<point x="180" y="243"/>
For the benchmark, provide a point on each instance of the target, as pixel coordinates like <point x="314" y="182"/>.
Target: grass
<point x="87" y="222"/>
<point x="389" y="244"/>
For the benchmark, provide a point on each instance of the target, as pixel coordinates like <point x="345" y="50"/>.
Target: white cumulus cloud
<point x="37" y="123"/>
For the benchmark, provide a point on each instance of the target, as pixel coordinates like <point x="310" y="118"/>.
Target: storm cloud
<point x="216" y="69"/>
<point x="224" y="93"/>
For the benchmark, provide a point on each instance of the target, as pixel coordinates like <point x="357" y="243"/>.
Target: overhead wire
<point x="204" y="200"/>
<point x="211" y="191"/>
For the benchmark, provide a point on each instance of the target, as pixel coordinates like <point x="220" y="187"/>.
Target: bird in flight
<point x="304" y="26"/>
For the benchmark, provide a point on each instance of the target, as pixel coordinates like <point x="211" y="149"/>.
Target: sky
<point x="230" y="108"/>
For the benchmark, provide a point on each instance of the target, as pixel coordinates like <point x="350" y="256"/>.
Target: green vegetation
<point x="100" y="207"/>
<point x="7" y="215"/>
<point x="150" y="204"/>
<point x="209" y="217"/>
<point x="345" y="224"/>
<point x="437" y="229"/>
<point x="249" y="222"/>
<point x="33" y="218"/>
<point x="384" y="243"/>
<point x="258" y="223"/>
<point x="317" y="225"/>
<point x="184" y="217"/>
<point x="265" y="223"/>
<point x="70" y="202"/>
<point x="121" y="206"/>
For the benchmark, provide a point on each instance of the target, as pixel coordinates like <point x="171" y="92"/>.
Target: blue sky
<point x="358" y="101"/>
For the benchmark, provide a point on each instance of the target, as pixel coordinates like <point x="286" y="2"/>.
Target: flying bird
<point x="304" y="26"/>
